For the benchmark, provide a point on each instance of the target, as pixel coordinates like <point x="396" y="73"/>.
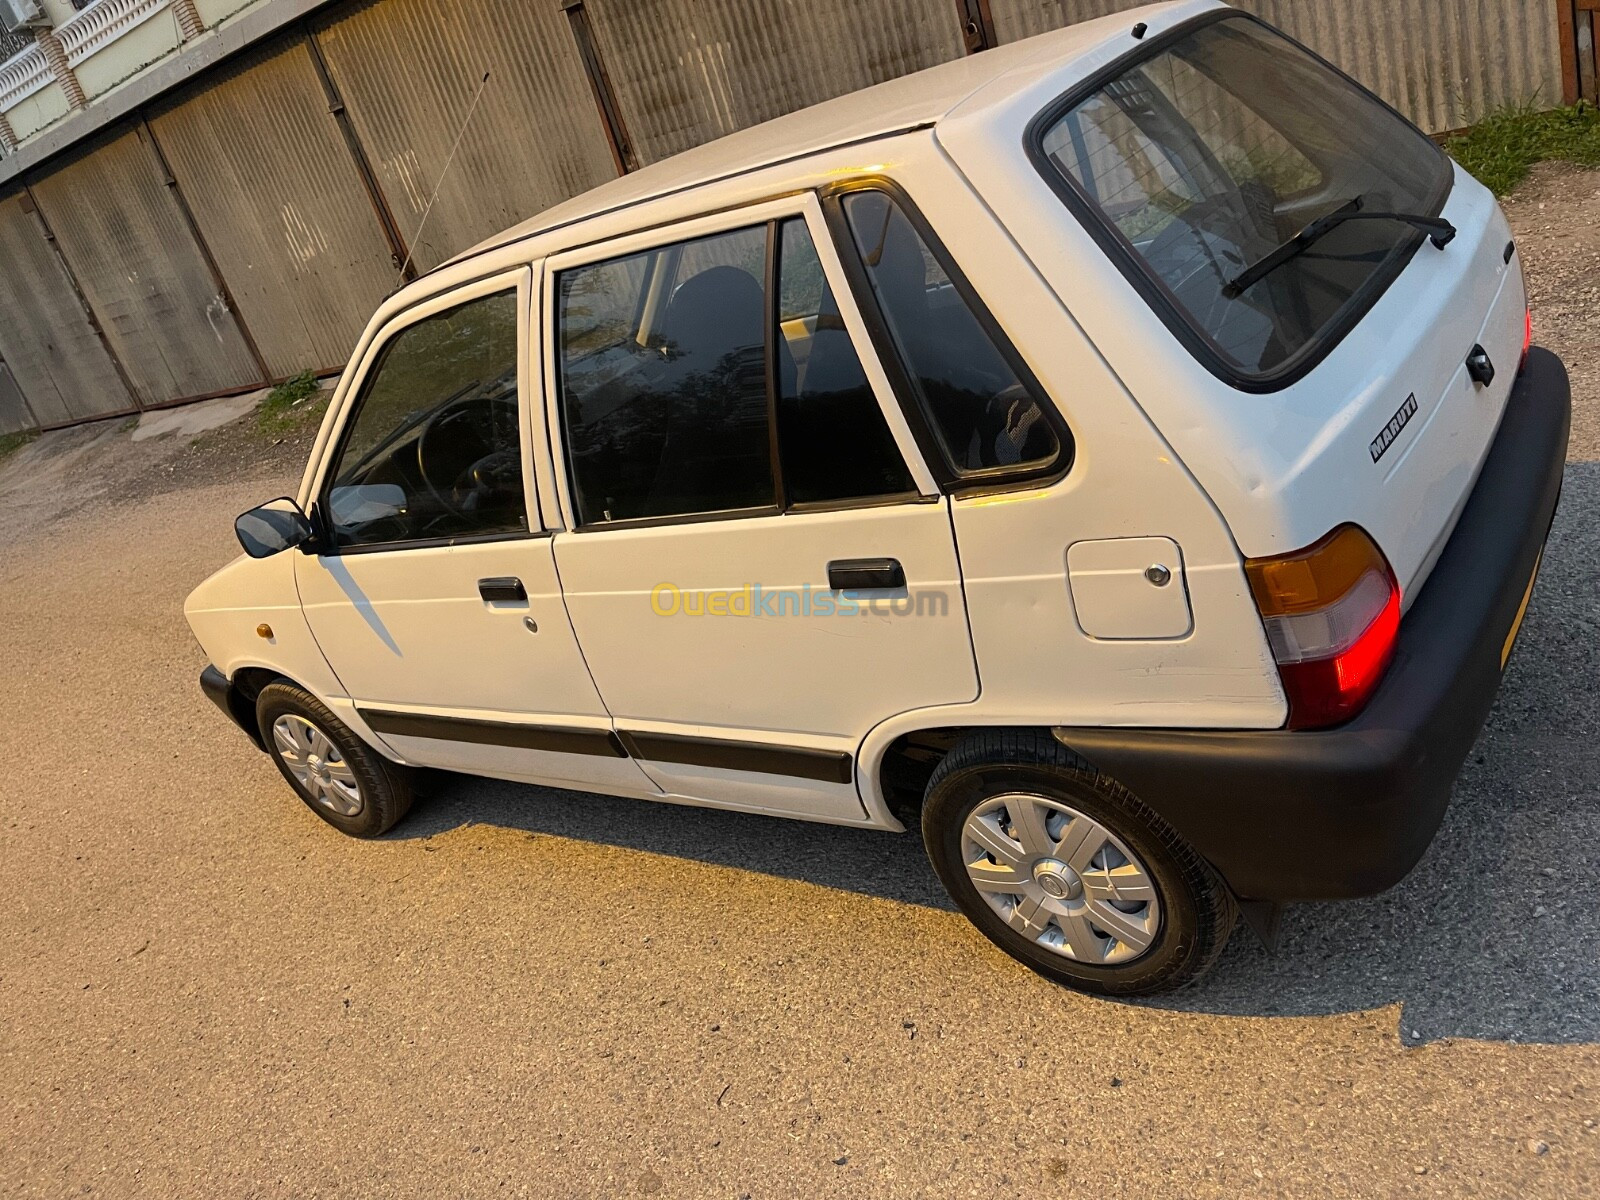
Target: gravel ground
<point x="203" y="990"/>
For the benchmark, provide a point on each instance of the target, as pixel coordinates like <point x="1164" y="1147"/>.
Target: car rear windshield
<point x="1217" y="147"/>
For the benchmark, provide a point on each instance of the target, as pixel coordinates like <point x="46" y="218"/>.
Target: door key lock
<point x="1158" y="574"/>
<point x="530" y="624"/>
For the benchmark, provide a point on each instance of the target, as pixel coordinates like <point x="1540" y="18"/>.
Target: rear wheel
<point x="1066" y="871"/>
<point x="340" y="778"/>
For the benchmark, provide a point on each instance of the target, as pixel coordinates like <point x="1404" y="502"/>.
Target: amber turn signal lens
<point x="1331" y="614"/>
<point x="264" y="631"/>
<point x="1313" y="578"/>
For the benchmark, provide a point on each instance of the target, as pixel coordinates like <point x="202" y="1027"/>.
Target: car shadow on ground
<point x="1495" y="935"/>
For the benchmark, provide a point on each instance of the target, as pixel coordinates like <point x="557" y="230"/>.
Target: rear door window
<point x="666" y="409"/>
<point x="834" y="441"/>
<point x="715" y="376"/>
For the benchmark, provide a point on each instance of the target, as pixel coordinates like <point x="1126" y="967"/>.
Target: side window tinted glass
<point x="983" y="415"/>
<point x="433" y="451"/>
<point x="664" y="380"/>
<point x="832" y="437"/>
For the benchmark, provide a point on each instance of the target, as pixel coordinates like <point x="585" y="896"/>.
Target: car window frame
<point x="952" y="480"/>
<point x="1156" y="295"/>
<point x="766" y="213"/>
<point x="521" y="280"/>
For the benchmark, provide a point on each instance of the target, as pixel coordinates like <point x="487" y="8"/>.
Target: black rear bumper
<point x="1348" y="811"/>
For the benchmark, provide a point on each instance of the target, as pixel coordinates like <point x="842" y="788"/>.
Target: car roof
<point x="914" y="101"/>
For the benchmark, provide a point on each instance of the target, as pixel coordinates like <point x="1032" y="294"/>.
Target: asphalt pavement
<point x="206" y="991"/>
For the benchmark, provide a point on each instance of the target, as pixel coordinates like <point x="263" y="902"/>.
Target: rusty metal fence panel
<point x="687" y="71"/>
<point x="278" y="199"/>
<point x="124" y="236"/>
<point x="1443" y="63"/>
<point x="408" y="71"/>
<point x="45" y="337"/>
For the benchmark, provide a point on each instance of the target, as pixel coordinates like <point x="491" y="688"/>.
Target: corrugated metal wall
<point x="687" y="71"/>
<point x="123" y="234"/>
<point x="408" y="71"/>
<point x="1443" y="63"/>
<point x="278" y="199"/>
<point x="14" y="414"/>
<point x="54" y="354"/>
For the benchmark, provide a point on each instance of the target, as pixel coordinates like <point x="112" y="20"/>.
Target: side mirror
<point x="275" y="526"/>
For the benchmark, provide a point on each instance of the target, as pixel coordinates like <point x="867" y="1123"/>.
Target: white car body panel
<point x="225" y="610"/>
<point x="1284" y="467"/>
<point x="1167" y="454"/>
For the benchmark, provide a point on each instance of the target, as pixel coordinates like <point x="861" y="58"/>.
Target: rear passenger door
<point x="758" y="565"/>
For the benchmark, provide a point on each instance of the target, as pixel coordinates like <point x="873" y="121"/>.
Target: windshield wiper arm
<point x="1439" y="232"/>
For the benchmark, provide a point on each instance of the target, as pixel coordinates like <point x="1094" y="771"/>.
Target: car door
<point x="758" y="565"/>
<point x="433" y="594"/>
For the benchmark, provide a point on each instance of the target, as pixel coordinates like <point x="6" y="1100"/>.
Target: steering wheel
<point x="460" y="440"/>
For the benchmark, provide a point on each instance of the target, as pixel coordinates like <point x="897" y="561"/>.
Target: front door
<point x="758" y="566"/>
<point x="434" y="596"/>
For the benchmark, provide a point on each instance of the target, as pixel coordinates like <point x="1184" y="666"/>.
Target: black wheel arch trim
<point x="234" y="703"/>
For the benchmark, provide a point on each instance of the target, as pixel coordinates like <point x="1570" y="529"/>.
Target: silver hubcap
<point x="316" y="763"/>
<point x="1061" y="879"/>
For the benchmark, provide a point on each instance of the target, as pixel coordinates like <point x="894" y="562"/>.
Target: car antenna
<point x="443" y="171"/>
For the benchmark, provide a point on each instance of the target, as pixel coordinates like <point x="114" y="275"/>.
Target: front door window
<point x="433" y="452"/>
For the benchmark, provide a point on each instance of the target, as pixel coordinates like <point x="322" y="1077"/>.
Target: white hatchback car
<point x="1119" y="453"/>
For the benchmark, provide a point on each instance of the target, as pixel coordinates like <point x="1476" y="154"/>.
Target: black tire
<point x="385" y="787"/>
<point x="1197" y="913"/>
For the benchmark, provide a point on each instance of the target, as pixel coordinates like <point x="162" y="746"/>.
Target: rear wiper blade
<point x="1439" y="232"/>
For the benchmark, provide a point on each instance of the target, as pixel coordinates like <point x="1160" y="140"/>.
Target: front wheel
<point x="340" y="778"/>
<point x="1066" y="871"/>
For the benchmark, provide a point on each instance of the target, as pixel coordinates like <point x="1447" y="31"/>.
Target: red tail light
<point x="1527" y="339"/>
<point x="1332" y="612"/>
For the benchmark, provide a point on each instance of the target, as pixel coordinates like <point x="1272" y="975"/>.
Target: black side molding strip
<point x="798" y="762"/>
<point x="828" y="766"/>
<point x="558" y="740"/>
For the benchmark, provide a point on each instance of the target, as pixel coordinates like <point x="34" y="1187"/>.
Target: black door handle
<point x="502" y="589"/>
<point x="865" y="574"/>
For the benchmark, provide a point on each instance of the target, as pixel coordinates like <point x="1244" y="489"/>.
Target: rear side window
<point x="432" y="452"/>
<point x="1219" y="146"/>
<point x="984" y="416"/>
<point x="683" y="367"/>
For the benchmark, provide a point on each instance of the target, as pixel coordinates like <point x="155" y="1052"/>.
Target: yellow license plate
<point x="1522" y="611"/>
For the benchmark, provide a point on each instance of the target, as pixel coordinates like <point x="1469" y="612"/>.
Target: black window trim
<point x="782" y="503"/>
<point x="950" y="479"/>
<point x="1156" y="294"/>
<point x="323" y="544"/>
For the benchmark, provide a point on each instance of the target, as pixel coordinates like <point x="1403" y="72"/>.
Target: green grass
<point x="10" y="443"/>
<point x="291" y="406"/>
<point x="1499" y="149"/>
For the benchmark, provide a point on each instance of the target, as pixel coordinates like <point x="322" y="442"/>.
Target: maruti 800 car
<point x="1119" y="454"/>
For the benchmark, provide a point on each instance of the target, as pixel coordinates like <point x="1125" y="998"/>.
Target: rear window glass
<point x="1210" y="153"/>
